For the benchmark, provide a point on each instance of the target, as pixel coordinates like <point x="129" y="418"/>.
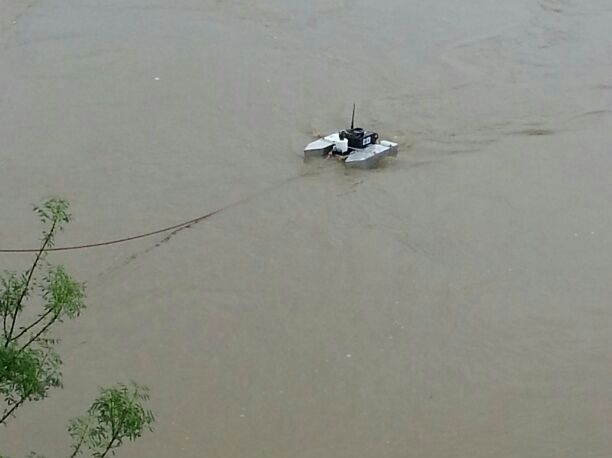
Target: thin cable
<point x="116" y="241"/>
<point x="184" y="224"/>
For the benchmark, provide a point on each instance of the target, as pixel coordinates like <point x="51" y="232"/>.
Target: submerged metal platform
<point x="321" y="147"/>
<point x="370" y="156"/>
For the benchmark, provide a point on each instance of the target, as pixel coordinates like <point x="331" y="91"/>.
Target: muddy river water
<point x="456" y="302"/>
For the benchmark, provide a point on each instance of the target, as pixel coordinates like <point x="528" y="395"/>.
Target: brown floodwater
<point x="455" y="302"/>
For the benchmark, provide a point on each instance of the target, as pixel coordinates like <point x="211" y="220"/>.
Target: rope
<point x="184" y="224"/>
<point x="116" y="241"/>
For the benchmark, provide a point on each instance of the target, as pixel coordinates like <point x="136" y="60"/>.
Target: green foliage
<point x="54" y="212"/>
<point x="116" y="415"/>
<point x="27" y="375"/>
<point x="63" y="296"/>
<point x="14" y="291"/>
<point x="29" y="363"/>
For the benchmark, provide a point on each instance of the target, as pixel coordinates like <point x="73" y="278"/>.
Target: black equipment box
<point x="358" y="138"/>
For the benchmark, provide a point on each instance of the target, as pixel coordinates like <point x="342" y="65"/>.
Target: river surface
<point x="456" y="302"/>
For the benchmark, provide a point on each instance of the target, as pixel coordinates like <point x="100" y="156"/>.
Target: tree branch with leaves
<point x="29" y="363"/>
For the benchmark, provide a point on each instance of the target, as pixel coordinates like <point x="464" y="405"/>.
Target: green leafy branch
<point x="29" y="363"/>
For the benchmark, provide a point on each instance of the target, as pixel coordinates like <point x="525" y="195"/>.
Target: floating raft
<point x="365" y="158"/>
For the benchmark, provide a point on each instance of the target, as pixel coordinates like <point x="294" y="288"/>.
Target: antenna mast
<point x="353" y="118"/>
